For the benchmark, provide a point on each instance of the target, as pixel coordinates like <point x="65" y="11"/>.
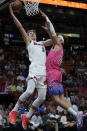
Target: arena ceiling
<point x="65" y="20"/>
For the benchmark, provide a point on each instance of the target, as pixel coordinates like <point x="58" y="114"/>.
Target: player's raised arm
<point x="50" y="29"/>
<point x="26" y="38"/>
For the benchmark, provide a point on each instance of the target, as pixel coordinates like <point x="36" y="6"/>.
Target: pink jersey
<point x="53" y="63"/>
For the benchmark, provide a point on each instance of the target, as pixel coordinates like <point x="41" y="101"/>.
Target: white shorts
<point x="40" y="80"/>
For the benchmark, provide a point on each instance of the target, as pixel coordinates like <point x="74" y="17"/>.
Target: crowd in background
<point x="47" y="116"/>
<point x="14" y="66"/>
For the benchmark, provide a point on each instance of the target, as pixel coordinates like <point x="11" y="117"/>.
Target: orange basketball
<point x="16" y="6"/>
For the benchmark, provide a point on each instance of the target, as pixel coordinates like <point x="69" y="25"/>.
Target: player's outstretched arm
<point x="19" y="26"/>
<point x="50" y="29"/>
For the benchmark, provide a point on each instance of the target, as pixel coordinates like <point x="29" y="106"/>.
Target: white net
<point x="31" y="7"/>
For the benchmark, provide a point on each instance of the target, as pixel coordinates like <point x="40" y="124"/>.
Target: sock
<point x="16" y="107"/>
<point x="30" y="113"/>
<point x="70" y="110"/>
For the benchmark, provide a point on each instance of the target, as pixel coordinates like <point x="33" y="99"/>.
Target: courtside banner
<point x="68" y="3"/>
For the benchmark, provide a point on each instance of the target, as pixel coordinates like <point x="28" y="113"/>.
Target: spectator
<point x="20" y="77"/>
<point x="36" y="118"/>
<point x="1" y="121"/>
<point x="12" y="87"/>
<point x="20" y="86"/>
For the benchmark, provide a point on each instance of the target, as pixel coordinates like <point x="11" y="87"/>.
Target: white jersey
<point x="37" y="57"/>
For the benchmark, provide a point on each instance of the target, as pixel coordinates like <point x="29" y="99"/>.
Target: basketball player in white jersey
<point x="37" y="72"/>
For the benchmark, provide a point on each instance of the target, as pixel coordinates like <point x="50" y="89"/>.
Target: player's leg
<point x="78" y="115"/>
<point x="56" y="90"/>
<point x="42" y="90"/>
<point x="30" y="89"/>
<point x="60" y="100"/>
<point x="40" y="99"/>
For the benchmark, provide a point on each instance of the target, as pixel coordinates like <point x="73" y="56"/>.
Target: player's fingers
<point x="44" y="27"/>
<point x="40" y="11"/>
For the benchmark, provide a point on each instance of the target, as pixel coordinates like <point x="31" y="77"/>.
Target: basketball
<point x="16" y="6"/>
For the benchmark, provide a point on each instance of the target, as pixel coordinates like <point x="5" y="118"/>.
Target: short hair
<point x="31" y="31"/>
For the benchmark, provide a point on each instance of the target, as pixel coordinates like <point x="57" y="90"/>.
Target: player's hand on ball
<point x="16" y="6"/>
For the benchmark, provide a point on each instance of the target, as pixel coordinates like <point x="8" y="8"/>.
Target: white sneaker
<point x="80" y="119"/>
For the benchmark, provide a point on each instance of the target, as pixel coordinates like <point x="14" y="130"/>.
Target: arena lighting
<point x="67" y="3"/>
<point x="76" y="47"/>
<point x="56" y="6"/>
<point x="69" y="34"/>
<point x="8" y="35"/>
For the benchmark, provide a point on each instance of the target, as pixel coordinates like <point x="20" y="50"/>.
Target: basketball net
<point x="31" y="7"/>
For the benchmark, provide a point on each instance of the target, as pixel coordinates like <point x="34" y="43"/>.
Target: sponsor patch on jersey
<point x="35" y="43"/>
<point x="45" y="82"/>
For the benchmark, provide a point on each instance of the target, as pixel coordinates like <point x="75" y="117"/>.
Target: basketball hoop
<point x="31" y="7"/>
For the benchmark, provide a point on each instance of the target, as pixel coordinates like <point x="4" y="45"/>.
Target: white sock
<point x="16" y="107"/>
<point x="30" y="113"/>
<point x="70" y="110"/>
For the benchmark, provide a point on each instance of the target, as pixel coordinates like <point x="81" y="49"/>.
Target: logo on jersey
<point x="35" y="43"/>
<point x="43" y="49"/>
<point x="60" y="59"/>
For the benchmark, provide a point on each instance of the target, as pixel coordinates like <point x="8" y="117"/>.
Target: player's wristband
<point x="52" y="30"/>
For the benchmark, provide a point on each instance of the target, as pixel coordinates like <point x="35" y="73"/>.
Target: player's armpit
<point x="47" y="43"/>
<point x="55" y="40"/>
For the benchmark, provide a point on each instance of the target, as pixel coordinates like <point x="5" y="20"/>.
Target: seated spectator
<point x="67" y="119"/>
<point x="12" y="87"/>
<point x="36" y="118"/>
<point x="1" y="121"/>
<point x="53" y="115"/>
<point x="75" y="107"/>
<point x="20" y="86"/>
<point x="10" y="107"/>
<point x="7" y="86"/>
<point x="20" y="77"/>
<point x="23" y="66"/>
<point x="60" y="109"/>
<point x="63" y="118"/>
<point x="68" y="81"/>
<point x="2" y="56"/>
<point x="7" y="66"/>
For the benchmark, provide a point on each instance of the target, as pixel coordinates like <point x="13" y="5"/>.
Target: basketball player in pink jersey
<point x="54" y="75"/>
<point x="37" y="71"/>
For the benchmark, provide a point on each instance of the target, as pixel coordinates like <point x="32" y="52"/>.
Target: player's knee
<point x="43" y="98"/>
<point x="25" y="95"/>
<point x="28" y="93"/>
